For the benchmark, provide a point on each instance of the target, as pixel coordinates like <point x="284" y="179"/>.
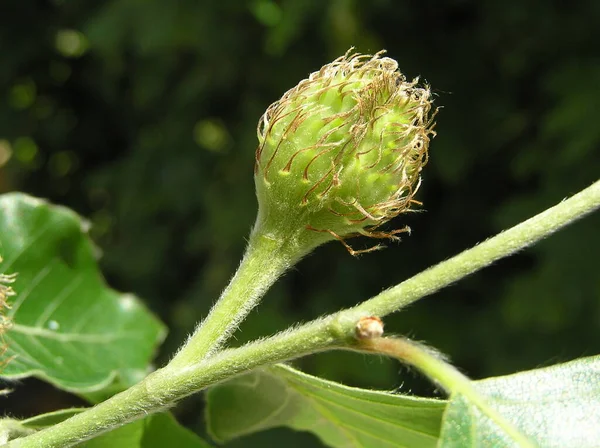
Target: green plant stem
<point x="165" y="386"/>
<point x="162" y="388"/>
<point x="265" y="260"/>
<point x="502" y="245"/>
<point x="447" y="376"/>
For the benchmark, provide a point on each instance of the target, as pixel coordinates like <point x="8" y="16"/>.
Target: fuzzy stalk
<point x="266" y="258"/>
<point x="501" y="245"/>
<point x="164" y="387"/>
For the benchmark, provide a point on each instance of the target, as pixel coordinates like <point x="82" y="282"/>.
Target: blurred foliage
<point x="142" y="115"/>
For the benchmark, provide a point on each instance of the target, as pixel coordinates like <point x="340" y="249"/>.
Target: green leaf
<point x="340" y="416"/>
<point x="68" y="328"/>
<point x="155" y="431"/>
<point x="557" y="406"/>
<point x="51" y="418"/>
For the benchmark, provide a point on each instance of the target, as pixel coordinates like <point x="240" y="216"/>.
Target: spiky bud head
<point x="341" y="153"/>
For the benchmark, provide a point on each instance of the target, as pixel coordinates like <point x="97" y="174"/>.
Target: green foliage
<point x="68" y="327"/>
<point x="154" y="431"/>
<point x="556" y="406"/>
<point x="340" y="416"/>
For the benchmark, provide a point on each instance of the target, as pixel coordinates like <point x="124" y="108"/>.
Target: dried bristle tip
<point x="342" y="152"/>
<point x="5" y="322"/>
<point x="369" y="327"/>
<point x="5" y="289"/>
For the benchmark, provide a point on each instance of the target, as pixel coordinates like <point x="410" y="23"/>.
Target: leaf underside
<point x="340" y="416"/>
<point x="557" y="406"/>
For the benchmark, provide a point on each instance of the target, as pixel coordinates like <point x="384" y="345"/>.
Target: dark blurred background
<point x="141" y="116"/>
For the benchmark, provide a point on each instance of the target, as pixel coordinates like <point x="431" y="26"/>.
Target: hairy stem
<point x="444" y="374"/>
<point x="264" y="261"/>
<point x="502" y="245"/>
<point x="165" y="386"/>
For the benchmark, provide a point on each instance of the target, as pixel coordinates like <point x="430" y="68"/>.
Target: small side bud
<point x="369" y="327"/>
<point x="341" y="153"/>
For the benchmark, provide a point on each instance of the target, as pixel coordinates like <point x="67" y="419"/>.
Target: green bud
<point x="341" y="153"/>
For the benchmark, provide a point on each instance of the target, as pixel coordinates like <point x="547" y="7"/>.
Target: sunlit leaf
<point x="68" y="327"/>
<point x="340" y="416"/>
<point x="557" y="406"/>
